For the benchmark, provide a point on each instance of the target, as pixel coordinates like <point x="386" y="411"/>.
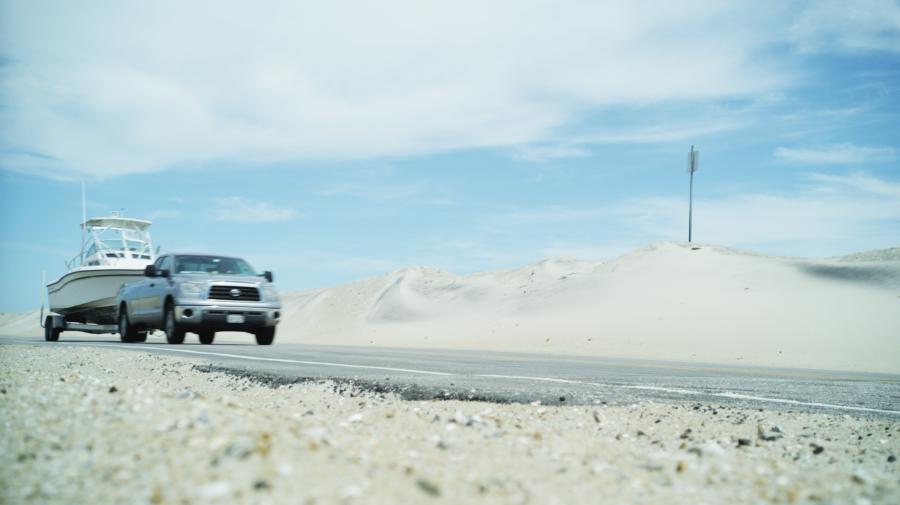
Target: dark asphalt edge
<point x="559" y="397"/>
<point x="354" y="387"/>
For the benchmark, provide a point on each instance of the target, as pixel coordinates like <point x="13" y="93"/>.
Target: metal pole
<point x="691" y="195"/>
<point x="43" y="287"/>
<point x="83" y="221"/>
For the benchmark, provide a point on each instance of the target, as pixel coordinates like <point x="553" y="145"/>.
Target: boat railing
<point x="101" y="249"/>
<point x="74" y="262"/>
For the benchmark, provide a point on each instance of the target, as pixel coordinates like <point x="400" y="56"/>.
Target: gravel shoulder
<point x="86" y="425"/>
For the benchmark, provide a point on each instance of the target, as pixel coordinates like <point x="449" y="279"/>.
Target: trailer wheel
<point x="127" y="332"/>
<point x="51" y="334"/>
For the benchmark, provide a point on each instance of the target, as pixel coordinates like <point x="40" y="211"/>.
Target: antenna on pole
<point x="693" y="164"/>
<point x="83" y="220"/>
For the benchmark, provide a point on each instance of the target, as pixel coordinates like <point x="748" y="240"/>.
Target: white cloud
<point x="243" y="210"/>
<point x="468" y="255"/>
<point x="761" y="218"/>
<point x="153" y="85"/>
<point x="148" y="86"/>
<point x="577" y="145"/>
<point x="540" y="154"/>
<point x="835" y="154"/>
<point x="165" y="214"/>
<point x="860" y="181"/>
<point x="660" y="133"/>
<point x="815" y="220"/>
<point x="348" y="266"/>
<point x="857" y="210"/>
<point x="375" y="191"/>
<point x="550" y="214"/>
<point x="841" y="25"/>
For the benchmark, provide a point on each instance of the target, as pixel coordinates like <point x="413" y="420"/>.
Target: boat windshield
<point x="119" y="243"/>
<point x="113" y="243"/>
<point x="215" y="265"/>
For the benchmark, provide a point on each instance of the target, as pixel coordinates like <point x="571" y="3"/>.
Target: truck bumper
<point x="227" y="317"/>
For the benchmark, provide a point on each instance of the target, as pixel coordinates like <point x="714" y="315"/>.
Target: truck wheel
<point x="265" y="336"/>
<point x="127" y="332"/>
<point x="174" y="331"/>
<point x="207" y="337"/>
<point x="51" y="334"/>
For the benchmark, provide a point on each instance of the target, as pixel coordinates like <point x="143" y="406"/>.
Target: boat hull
<point x="89" y="294"/>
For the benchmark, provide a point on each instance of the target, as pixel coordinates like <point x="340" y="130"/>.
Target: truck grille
<point x="245" y="294"/>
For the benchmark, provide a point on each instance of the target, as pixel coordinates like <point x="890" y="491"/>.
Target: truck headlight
<point x="270" y="292"/>
<point x="194" y="289"/>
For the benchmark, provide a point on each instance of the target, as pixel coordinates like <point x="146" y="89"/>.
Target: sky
<point x="332" y="141"/>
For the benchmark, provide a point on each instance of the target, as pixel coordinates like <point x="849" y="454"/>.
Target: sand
<point x="86" y="425"/>
<point x="667" y="301"/>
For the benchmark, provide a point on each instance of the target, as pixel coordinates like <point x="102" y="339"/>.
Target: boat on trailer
<point x="115" y="250"/>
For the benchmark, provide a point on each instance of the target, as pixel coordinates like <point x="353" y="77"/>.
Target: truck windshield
<point x="214" y="265"/>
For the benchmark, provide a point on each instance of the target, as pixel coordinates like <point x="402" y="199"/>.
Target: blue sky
<point x="333" y="142"/>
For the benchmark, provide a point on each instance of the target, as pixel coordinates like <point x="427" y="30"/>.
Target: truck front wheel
<point x="265" y="336"/>
<point x="174" y="331"/>
<point x="206" y="336"/>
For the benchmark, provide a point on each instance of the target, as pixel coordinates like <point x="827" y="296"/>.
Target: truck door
<point x="137" y="297"/>
<point x="156" y="293"/>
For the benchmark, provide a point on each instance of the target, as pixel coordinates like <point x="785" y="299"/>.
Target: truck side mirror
<point x="164" y="272"/>
<point x="150" y="271"/>
<point x="268" y="275"/>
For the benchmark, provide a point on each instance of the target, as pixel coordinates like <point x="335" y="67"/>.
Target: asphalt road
<point x="525" y="378"/>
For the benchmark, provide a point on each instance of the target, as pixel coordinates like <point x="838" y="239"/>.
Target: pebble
<point x="186" y="394"/>
<point x="428" y="487"/>
<point x="217" y="489"/>
<point x="859" y="477"/>
<point x="771" y="436"/>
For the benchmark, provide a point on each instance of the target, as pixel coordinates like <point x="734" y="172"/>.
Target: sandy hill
<point x="671" y="301"/>
<point x="668" y="301"/>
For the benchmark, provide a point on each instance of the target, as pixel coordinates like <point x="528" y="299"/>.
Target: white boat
<point x="114" y="250"/>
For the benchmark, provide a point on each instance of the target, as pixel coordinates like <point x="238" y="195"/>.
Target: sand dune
<point x="670" y="301"/>
<point x="666" y="301"/>
<point x="21" y="324"/>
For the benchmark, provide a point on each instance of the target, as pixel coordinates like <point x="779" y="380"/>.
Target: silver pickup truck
<point x="199" y="293"/>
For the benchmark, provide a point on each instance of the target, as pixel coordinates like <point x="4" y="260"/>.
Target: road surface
<point x="525" y="378"/>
